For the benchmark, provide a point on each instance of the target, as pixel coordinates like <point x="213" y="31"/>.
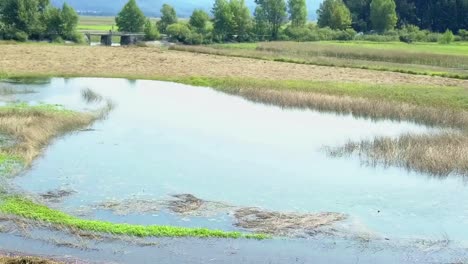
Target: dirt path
<point x="153" y="63"/>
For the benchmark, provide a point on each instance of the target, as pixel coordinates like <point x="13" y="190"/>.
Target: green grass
<point x="99" y="23"/>
<point x="27" y="209"/>
<point x="96" y="27"/>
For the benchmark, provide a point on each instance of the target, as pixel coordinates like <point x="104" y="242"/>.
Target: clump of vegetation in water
<point x="27" y="209"/>
<point x="32" y="128"/>
<point x="441" y="155"/>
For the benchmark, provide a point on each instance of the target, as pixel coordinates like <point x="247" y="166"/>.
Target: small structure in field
<point x="125" y="37"/>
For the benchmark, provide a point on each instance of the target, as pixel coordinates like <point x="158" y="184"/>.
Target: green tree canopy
<point x="334" y="14"/>
<point x="23" y="15"/>
<point x="383" y="15"/>
<point x="151" y="31"/>
<point x="130" y="18"/>
<point x="360" y="14"/>
<point x="199" y="20"/>
<point x="271" y="13"/>
<point x="242" y="19"/>
<point x="297" y="12"/>
<point x="223" y="19"/>
<point x="168" y="17"/>
<point x="69" y="21"/>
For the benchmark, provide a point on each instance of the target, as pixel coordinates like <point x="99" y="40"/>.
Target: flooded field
<point x="171" y="154"/>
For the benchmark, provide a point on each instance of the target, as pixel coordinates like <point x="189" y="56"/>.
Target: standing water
<point x="164" y="138"/>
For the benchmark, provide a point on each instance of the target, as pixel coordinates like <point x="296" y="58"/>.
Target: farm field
<point x="418" y="58"/>
<point x="98" y="23"/>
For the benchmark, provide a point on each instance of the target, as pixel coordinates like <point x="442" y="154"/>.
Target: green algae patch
<point x="27" y="209"/>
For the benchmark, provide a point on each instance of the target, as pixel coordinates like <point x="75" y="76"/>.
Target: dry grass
<point x="153" y="63"/>
<point x="26" y="260"/>
<point x="441" y="154"/>
<point x="34" y="127"/>
<point x="359" y="107"/>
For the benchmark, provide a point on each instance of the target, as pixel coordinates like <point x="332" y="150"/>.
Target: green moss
<point x="27" y="209"/>
<point x="9" y="164"/>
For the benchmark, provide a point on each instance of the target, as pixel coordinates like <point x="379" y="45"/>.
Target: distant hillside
<point x="151" y="7"/>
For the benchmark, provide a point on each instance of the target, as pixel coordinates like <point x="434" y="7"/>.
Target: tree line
<point x="379" y="20"/>
<point x="231" y="20"/>
<point x="37" y="19"/>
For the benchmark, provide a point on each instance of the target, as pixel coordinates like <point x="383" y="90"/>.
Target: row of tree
<point x="37" y="19"/>
<point x="434" y="15"/>
<point x="287" y="19"/>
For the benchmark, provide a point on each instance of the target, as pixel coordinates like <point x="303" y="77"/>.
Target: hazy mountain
<point x="151" y="7"/>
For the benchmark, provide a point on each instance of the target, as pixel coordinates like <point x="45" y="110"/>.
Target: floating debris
<point x="56" y="195"/>
<point x="283" y="224"/>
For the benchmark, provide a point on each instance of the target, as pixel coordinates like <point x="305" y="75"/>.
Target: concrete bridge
<point x="125" y="37"/>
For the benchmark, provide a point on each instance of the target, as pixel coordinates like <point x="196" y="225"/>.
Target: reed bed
<point x="358" y="107"/>
<point x="440" y="154"/>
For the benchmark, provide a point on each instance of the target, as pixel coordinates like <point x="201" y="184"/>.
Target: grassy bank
<point x="419" y="59"/>
<point x="30" y="210"/>
<point x="30" y="129"/>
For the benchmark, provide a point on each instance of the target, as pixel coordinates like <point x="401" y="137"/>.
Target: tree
<point x="334" y="14"/>
<point x="360" y="14"/>
<point x="383" y="15"/>
<point x="262" y="27"/>
<point x="22" y="15"/>
<point x="223" y="19"/>
<point x="53" y="21"/>
<point x="297" y="12"/>
<point x="151" y="31"/>
<point x="199" y="20"/>
<point x="406" y="12"/>
<point x="168" y="17"/>
<point x="447" y="37"/>
<point x="131" y="18"/>
<point x="273" y="13"/>
<point x="178" y="31"/>
<point x="69" y="19"/>
<point x="241" y="25"/>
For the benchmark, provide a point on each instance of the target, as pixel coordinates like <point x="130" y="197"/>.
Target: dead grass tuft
<point x="441" y="154"/>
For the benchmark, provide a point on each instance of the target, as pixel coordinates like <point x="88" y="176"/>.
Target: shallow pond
<point x="164" y="138"/>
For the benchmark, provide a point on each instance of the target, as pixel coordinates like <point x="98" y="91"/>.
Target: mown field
<point x="419" y="58"/>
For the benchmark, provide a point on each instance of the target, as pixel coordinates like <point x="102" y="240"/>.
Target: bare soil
<point x="153" y="63"/>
